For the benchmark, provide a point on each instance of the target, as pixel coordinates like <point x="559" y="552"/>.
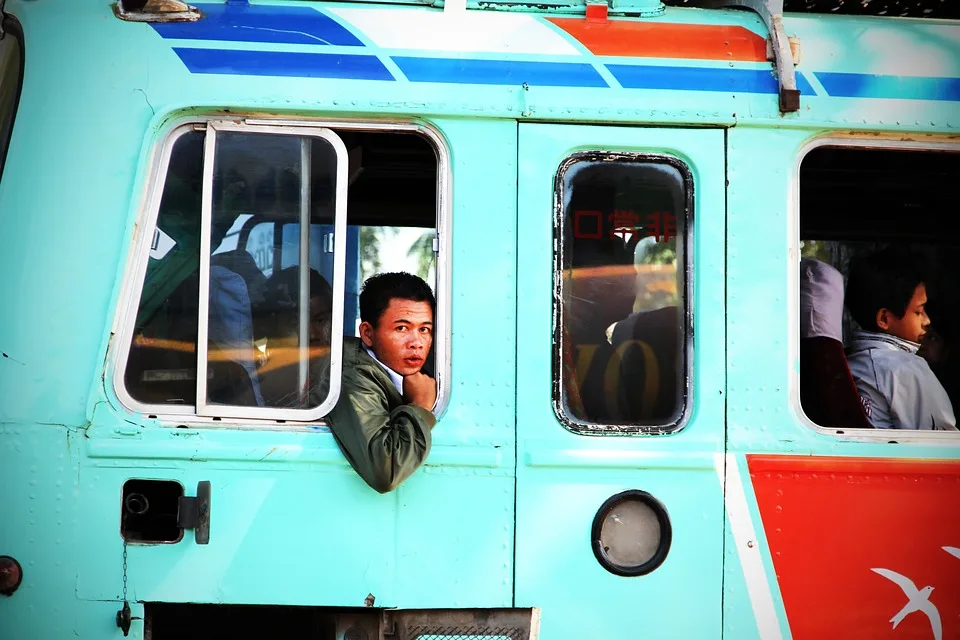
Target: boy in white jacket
<point x="886" y="295"/>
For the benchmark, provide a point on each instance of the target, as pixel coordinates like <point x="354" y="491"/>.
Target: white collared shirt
<point x="395" y="377"/>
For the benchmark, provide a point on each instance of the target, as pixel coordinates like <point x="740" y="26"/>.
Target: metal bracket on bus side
<point x="194" y="513"/>
<point x="771" y="12"/>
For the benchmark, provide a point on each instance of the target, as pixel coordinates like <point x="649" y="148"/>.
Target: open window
<point x="622" y="316"/>
<point x="262" y="238"/>
<point x="856" y="201"/>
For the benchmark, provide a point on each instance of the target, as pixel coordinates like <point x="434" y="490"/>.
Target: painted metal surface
<point x="563" y="478"/>
<point x="813" y="500"/>
<point x="384" y="60"/>
<point x="291" y="524"/>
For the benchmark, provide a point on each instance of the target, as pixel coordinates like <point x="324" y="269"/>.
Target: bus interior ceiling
<point x="853" y="201"/>
<point x="392" y="183"/>
<point x="396" y="180"/>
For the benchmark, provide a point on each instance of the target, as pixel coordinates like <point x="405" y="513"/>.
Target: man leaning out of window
<point x="383" y="417"/>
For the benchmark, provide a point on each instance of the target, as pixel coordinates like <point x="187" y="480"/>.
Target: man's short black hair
<point x="378" y="290"/>
<point x="885" y="279"/>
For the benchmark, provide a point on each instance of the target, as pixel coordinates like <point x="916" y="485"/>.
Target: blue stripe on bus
<point x="862" y="85"/>
<point x="261" y="23"/>
<point x="514" y="72"/>
<point x="283" y="63"/>
<point x="631" y="76"/>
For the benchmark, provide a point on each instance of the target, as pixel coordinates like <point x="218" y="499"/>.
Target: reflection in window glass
<point x="162" y="363"/>
<point x="622" y="311"/>
<point x="267" y="342"/>
<point x="265" y="346"/>
<point x="267" y="176"/>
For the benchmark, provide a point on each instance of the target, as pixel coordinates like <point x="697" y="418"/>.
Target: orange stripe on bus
<point x="659" y="40"/>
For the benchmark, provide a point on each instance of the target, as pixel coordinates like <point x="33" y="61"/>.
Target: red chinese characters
<point x="623" y="224"/>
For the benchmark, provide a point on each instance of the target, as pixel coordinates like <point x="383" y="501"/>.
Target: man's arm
<point x="383" y="446"/>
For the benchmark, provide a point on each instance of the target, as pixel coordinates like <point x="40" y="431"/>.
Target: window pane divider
<point x="304" y="301"/>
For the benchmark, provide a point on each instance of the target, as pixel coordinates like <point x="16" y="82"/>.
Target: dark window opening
<point x="622" y="329"/>
<point x="854" y="202"/>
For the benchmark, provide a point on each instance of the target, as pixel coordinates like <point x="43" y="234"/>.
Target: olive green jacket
<point x="384" y="439"/>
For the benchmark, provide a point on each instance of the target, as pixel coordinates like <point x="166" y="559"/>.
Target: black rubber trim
<point x="666" y="534"/>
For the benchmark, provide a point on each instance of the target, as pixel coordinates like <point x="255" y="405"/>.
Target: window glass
<point x="269" y="331"/>
<point x="162" y="361"/>
<point x="622" y="329"/>
<point x="268" y="177"/>
<point x="858" y="206"/>
<point x="11" y="78"/>
<point x="270" y="309"/>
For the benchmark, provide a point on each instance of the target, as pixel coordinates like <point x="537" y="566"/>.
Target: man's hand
<point x="420" y="389"/>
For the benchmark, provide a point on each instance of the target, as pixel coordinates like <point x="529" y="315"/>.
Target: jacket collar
<point x="395" y="377"/>
<point x="863" y="340"/>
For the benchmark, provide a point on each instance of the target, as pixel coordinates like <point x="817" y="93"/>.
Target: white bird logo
<point x="917" y="600"/>
<point x="952" y="551"/>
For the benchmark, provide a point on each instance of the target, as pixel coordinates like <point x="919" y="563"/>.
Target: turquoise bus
<point x="616" y="204"/>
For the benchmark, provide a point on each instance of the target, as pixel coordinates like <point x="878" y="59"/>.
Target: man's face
<point x="913" y="325"/>
<point x="403" y="335"/>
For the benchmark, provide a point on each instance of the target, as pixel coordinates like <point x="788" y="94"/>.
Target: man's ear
<point x="366" y="333"/>
<point x="883" y="318"/>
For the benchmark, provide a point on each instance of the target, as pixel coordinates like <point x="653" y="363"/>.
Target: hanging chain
<point x="124" y="615"/>
<point x="124" y="570"/>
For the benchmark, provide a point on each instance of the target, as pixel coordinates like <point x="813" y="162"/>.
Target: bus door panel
<point x="620" y="380"/>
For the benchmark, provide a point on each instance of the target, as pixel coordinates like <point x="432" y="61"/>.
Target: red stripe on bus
<point x="660" y="40"/>
<point x="840" y="532"/>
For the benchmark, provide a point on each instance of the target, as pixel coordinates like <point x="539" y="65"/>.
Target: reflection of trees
<point x="656" y="267"/>
<point x="660" y="253"/>
<point x="373" y="238"/>
<point x="370" y="238"/>
<point x="422" y="250"/>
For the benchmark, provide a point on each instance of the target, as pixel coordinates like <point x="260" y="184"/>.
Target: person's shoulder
<point x="354" y="353"/>
<point x="357" y="363"/>
<point x="910" y="364"/>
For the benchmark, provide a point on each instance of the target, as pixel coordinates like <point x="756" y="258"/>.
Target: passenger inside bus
<point x="887" y="297"/>
<point x="279" y="319"/>
<point x="828" y="392"/>
<point x="856" y="202"/>
<point x="383" y="417"/>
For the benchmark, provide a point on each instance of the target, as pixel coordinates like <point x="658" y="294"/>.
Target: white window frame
<point x="203" y="407"/>
<point x="137" y="261"/>
<point x="904" y="436"/>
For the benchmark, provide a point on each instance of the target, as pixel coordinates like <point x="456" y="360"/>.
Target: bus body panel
<point x="500" y="514"/>
<point x="829" y="506"/>
<point x="563" y="478"/>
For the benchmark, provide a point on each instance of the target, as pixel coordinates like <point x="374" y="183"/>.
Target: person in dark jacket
<point x="383" y="417"/>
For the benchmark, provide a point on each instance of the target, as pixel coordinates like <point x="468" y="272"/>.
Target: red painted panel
<point x="830" y="521"/>
<point x="664" y="40"/>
